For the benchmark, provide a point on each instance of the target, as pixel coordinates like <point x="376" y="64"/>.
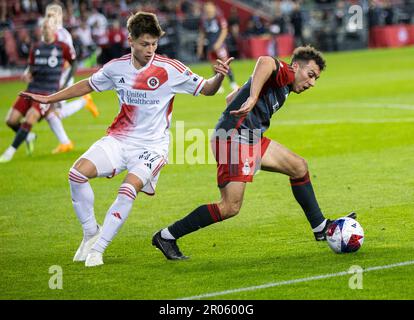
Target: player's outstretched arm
<point x="213" y="84"/>
<point x="265" y="66"/>
<point x="79" y="89"/>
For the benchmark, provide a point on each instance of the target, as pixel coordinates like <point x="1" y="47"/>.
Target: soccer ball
<point x="345" y="235"/>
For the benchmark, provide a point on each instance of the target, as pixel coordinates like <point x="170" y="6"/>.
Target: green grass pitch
<point x="355" y="128"/>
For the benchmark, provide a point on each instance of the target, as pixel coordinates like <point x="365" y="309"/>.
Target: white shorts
<point x="111" y="157"/>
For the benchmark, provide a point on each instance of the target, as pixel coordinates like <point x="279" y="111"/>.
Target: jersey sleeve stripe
<point x="94" y="87"/>
<point x="178" y="63"/>
<point x="199" y="87"/>
<point x="170" y="62"/>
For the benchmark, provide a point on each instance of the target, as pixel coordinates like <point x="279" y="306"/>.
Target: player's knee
<point x="11" y="123"/>
<point x="231" y="209"/>
<point x="136" y="182"/>
<point x="300" y="168"/>
<point x="86" y="168"/>
<point x="77" y="177"/>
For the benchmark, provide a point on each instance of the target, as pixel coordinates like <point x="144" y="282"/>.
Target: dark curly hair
<point x="308" y="53"/>
<point x="144" y="22"/>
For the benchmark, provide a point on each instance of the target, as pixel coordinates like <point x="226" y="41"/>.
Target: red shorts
<point x="220" y="53"/>
<point x="23" y="105"/>
<point x="237" y="161"/>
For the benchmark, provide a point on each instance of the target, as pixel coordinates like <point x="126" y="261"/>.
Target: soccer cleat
<point x="63" y="147"/>
<point x="94" y="259"/>
<point x="321" y="235"/>
<point x="86" y="246"/>
<point x="90" y="105"/>
<point x="5" y="158"/>
<point x="7" y="155"/>
<point x="30" y="140"/>
<point x="168" y="247"/>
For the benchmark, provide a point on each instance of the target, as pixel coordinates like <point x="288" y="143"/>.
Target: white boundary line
<point x="288" y="282"/>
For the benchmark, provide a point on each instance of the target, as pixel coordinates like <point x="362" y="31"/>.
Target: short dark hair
<point x="144" y="22"/>
<point x="308" y="53"/>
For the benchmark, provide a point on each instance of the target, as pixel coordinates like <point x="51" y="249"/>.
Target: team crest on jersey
<point x="153" y="82"/>
<point x="52" y="61"/>
<point x="150" y="79"/>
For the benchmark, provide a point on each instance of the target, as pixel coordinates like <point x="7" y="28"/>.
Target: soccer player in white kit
<point x="67" y="79"/>
<point x="138" y="138"/>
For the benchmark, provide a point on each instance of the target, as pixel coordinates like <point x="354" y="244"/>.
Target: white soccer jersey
<point x="64" y="35"/>
<point x="145" y="98"/>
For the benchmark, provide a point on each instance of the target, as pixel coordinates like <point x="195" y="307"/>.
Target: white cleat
<point x="5" y="158"/>
<point x="94" y="259"/>
<point x="7" y="155"/>
<point x="86" y="246"/>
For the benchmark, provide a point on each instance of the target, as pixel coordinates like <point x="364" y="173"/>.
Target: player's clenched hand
<point x="35" y="97"/>
<point x="223" y="67"/>
<point x="245" y="108"/>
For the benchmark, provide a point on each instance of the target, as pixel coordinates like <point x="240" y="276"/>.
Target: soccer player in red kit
<point x="241" y="149"/>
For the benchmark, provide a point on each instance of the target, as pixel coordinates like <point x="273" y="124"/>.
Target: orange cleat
<point x="63" y="147"/>
<point x="90" y="105"/>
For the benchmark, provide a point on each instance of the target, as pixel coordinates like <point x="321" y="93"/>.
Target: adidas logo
<point x="121" y="81"/>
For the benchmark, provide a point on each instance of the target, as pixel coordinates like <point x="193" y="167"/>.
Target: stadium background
<point x="355" y="129"/>
<point x="255" y="27"/>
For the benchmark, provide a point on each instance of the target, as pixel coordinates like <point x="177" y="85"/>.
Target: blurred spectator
<point x="255" y="26"/>
<point x="192" y="11"/>
<point x="84" y="34"/>
<point x="214" y="31"/>
<point x="69" y="18"/>
<point x="278" y="24"/>
<point x="234" y="33"/>
<point x="388" y="13"/>
<point x="296" y="19"/>
<point x="98" y="24"/>
<point x="3" y="54"/>
<point x="374" y="14"/>
<point x="77" y="44"/>
<point x="286" y="7"/>
<point x="24" y="42"/>
<point x="5" y="21"/>
<point x="116" y="39"/>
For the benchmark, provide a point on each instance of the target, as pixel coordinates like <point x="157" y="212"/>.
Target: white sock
<point x="166" y="234"/>
<point x="57" y="127"/>
<point x="82" y="200"/>
<point x="69" y="108"/>
<point x="320" y="227"/>
<point x="116" y="216"/>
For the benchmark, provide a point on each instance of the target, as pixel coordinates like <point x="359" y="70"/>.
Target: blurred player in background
<point x="214" y="29"/>
<point x="46" y="61"/>
<point x="66" y="109"/>
<point x="241" y="149"/>
<point x="138" y="139"/>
